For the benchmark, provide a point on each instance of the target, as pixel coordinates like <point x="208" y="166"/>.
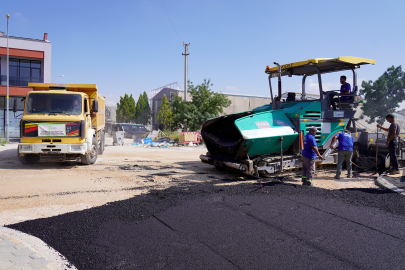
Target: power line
<point x="163" y="6"/>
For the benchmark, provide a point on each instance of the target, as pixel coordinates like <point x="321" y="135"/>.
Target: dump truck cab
<point x="269" y="138"/>
<point x="62" y="122"/>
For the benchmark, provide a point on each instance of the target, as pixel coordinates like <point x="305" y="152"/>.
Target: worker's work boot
<point x="307" y="183"/>
<point x="390" y="170"/>
<point x="394" y="172"/>
<point x="350" y="176"/>
<point x="337" y="177"/>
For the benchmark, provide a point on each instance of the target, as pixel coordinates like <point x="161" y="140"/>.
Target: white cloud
<point x="232" y="88"/>
<point x="401" y="106"/>
<point x="21" y="17"/>
<point x="111" y="100"/>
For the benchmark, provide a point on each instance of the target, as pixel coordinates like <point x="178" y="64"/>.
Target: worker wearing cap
<point x="309" y="155"/>
<point x="345" y="152"/>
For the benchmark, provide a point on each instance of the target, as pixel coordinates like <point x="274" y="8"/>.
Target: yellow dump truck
<point x="62" y="123"/>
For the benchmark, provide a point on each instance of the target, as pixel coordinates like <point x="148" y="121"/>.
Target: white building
<point x="29" y="61"/>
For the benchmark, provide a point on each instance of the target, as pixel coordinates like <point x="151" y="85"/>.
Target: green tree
<point x="145" y="115"/>
<point x="143" y="109"/>
<point x="165" y="116"/>
<point x="139" y="106"/>
<point x="126" y="109"/>
<point x="383" y="95"/>
<point x="178" y="108"/>
<point x="205" y="104"/>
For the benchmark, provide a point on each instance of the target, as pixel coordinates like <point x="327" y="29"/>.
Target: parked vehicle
<point x="134" y="131"/>
<point x="62" y="123"/>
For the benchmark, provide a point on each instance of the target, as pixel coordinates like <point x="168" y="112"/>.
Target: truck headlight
<point x="76" y="147"/>
<point x="26" y="147"/>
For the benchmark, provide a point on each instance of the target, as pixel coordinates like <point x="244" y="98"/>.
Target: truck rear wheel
<point x="28" y="158"/>
<point x="91" y="157"/>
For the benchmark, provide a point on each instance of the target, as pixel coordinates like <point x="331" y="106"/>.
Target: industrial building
<point x="239" y="103"/>
<point x="29" y="61"/>
<point x="156" y="97"/>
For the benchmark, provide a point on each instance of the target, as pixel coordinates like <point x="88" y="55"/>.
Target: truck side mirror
<point x="15" y="106"/>
<point x="95" y="106"/>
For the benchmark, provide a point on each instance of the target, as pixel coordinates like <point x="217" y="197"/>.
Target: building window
<point x="24" y="71"/>
<point x="14" y="118"/>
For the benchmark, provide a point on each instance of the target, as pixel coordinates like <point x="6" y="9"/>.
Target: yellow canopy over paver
<point x="325" y="65"/>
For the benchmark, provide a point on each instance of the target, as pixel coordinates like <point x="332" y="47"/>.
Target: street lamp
<point x="8" y="78"/>
<point x="57" y="77"/>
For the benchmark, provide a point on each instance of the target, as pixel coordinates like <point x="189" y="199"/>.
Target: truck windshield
<point x="44" y="103"/>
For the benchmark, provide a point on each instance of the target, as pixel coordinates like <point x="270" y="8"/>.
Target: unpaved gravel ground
<point x="43" y="190"/>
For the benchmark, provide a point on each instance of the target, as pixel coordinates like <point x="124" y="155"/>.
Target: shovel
<point x="376" y="154"/>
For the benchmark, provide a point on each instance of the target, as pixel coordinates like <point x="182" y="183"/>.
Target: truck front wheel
<point x="91" y="157"/>
<point x="28" y="158"/>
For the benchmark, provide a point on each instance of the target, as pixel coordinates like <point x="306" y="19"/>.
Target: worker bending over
<point x="345" y="152"/>
<point x="309" y="155"/>
<point x="392" y="142"/>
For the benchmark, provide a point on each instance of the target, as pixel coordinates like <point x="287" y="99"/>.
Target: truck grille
<point x="51" y="150"/>
<point x="49" y="140"/>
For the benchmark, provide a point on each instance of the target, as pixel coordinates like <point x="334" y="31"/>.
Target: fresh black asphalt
<point x="210" y="226"/>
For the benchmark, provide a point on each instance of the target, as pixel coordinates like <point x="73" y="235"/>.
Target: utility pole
<point x="185" y="69"/>
<point x="8" y="78"/>
<point x="185" y="78"/>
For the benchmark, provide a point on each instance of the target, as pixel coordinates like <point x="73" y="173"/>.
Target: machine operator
<point x="345" y="89"/>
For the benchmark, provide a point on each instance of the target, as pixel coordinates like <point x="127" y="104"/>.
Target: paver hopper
<point x="242" y="135"/>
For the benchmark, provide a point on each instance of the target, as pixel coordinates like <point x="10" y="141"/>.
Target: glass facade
<point x="14" y="118"/>
<point x="22" y="72"/>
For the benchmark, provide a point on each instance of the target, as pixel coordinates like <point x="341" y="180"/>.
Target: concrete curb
<point x="54" y="258"/>
<point x="385" y="184"/>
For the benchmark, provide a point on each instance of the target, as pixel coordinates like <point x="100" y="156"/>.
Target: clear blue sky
<point x="131" y="47"/>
